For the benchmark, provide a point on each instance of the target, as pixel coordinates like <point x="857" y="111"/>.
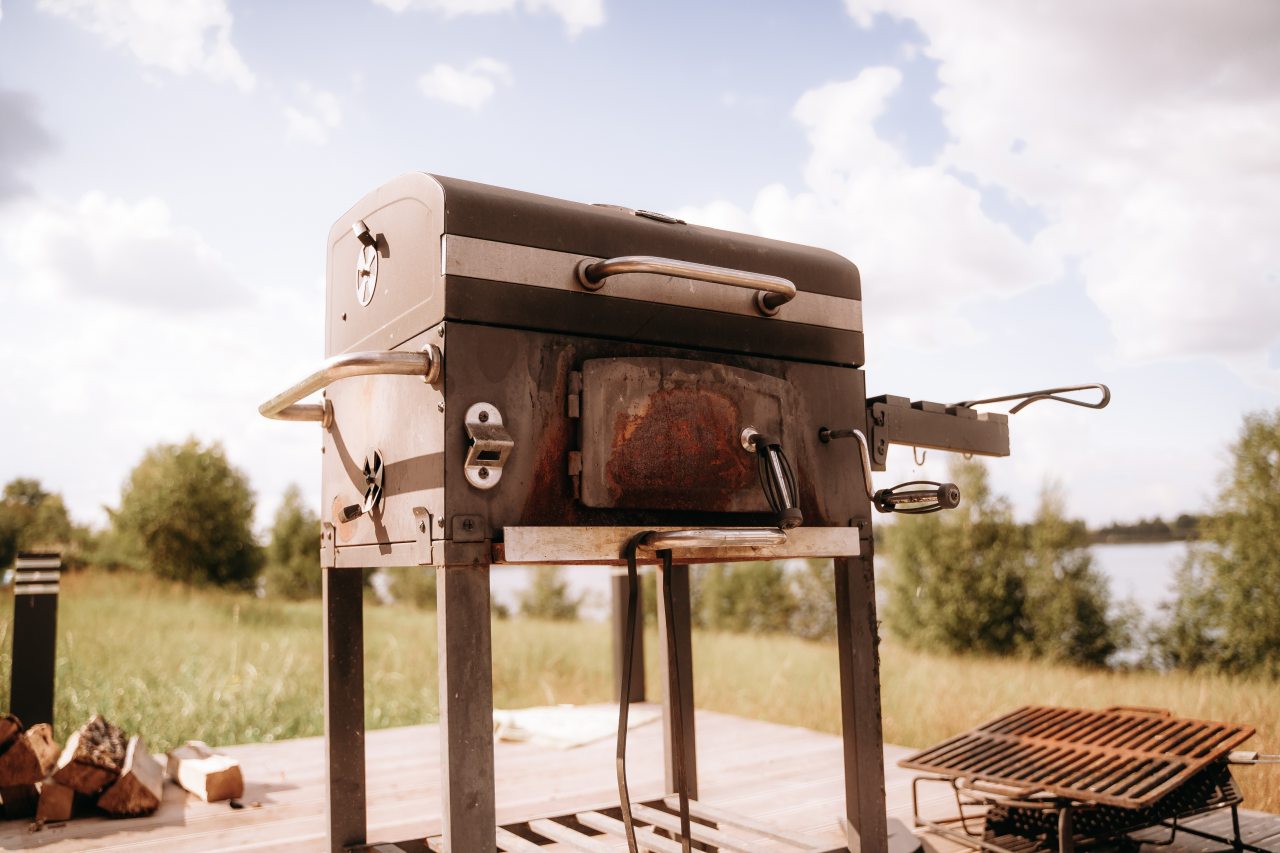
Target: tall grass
<point x="174" y="663"/>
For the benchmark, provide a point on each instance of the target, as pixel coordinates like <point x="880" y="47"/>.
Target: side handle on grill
<point x="772" y="292"/>
<point x="285" y="407"/>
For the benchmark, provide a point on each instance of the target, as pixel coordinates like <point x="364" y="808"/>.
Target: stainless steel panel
<point x="398" y="416"/>
<point x="506" y="262"/>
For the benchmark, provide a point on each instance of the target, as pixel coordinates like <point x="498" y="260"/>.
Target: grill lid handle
<point x="285" y="407"/>
<point x="772" y="292"/>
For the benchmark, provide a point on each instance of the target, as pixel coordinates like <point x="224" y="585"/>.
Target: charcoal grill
<point x="517" y="379"/>
<point x="1044" y="779"/>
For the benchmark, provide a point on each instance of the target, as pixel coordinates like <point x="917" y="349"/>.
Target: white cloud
<point x="180" y="36"/>
<point x="98" y="352"/>
<point x="118" y="252"/>
<point x="917" y="233"/>
<point x="317" y="114"/>
<point x="468" y="87"/>
<point x="1148" y="135"/>
<point x="578" y="15"/>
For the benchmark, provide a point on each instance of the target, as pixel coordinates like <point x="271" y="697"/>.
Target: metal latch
<point x="490" y="446"/>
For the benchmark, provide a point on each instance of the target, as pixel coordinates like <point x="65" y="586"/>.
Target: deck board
<point x="787" y="776"/>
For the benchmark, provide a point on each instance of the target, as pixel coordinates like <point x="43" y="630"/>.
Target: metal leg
<point x="1066" y="830"/>
<point x="858" y="639"/>
<point x="678" y="578"/>
<point x="620" y="639"/>
<point x="466" y="707"/>
<point x="344" y="706"/>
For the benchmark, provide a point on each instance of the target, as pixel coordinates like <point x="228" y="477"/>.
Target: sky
<point x="1036" y="194"/>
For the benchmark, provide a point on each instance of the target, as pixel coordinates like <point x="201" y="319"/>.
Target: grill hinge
<point x="574" y="405"/>
<point x="575" y="472"/>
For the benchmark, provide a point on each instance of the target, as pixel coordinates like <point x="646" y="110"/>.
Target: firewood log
<point x="92" y="758"/>
<point x="29" y="758"/>
<point x="10" y="726"/>
<point x="140" y="787"/>
<point x="57" y="802"/>
<point x="205" y="773"/>
<point x="19" y="801"/>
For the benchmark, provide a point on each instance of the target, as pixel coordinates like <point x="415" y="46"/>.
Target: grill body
<point x="623" y="405"/>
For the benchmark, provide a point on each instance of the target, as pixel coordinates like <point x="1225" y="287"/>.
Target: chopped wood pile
<point x="100" y="769"/>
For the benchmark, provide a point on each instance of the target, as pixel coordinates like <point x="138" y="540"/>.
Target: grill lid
<point x="1126" y="757"/>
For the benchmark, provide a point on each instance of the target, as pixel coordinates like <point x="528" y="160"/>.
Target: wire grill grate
<point x="1125" y="757"/>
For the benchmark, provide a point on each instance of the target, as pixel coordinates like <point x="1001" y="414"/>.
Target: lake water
<point x="1141" y="573"/>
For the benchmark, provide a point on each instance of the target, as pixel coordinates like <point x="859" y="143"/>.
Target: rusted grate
<point x="1126" y="757"/>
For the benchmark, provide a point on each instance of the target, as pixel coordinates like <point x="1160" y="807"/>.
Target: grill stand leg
<point x="678" y="578"/>
<point x="466" y="706"/>
<point x="344" y="706"/>
<point x="619" y="587"/>
<point x="860" y="724"/>
<point x="1066" y="830"/>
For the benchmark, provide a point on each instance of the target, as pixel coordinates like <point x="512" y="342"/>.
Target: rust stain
<point x="679" y="450"/>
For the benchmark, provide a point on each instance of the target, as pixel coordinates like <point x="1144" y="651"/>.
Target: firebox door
<point x="667" y="433"/>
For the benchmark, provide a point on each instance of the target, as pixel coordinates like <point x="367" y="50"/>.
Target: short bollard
<point x="35" y="636"/>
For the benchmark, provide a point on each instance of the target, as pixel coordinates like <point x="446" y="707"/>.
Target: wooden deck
<point x="788" y="776"/>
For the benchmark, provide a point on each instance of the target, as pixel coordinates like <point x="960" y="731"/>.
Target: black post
<point x="679" y="627"/>
<point x="35" y="636"/>
<point x="620" y="638"/>
<point x="858" y="643"/>
<point x="344" y="705"/>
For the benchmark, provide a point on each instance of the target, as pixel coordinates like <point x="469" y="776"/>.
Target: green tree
<point x="186" y="513"/>
<point x="958" y="582"/>
<point x="1225" y="614"/>
<point x="1067" y="599"/>
<point x="744" y="598"/>
<point x="31" y="517"/>
<point x="974" y="580"/>
<point x="813" y="591"/>
<point x="414" y="585"/>
<point x="293" y="554"/>
<point x="547" y="597"/>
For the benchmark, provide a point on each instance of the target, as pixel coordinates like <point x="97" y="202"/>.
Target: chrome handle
<point x="1026" y="398"/>
<point x="772" y="292"/>
<point x="284" y="406"/>
<point x="714" y="537"/>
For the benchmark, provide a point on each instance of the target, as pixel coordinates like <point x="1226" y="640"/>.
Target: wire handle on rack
<point x="1026" y="398"/>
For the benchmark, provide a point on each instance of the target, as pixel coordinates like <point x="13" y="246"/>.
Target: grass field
<point x="173" y="663"/>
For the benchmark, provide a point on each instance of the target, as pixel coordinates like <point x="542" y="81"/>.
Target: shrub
<point x="186" y="514"/>
<point x="293" y="554"/>
<point x="548" y="596"/>
<point x="1224" y="615"/>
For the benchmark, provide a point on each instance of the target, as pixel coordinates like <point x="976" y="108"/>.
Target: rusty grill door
<point x="665" y="433"/>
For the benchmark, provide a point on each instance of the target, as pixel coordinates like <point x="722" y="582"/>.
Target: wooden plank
<point x="858" y="643"/>
<point x="698" y="832"/>
<point x="344" y="735"/>
<point x="509" y="842"/>
<point x="465" y="651"/>
<point x="646" y="838"/>
<point x="715" y="814"/>
<point x="559" y="832"/>
<point x="603" y="546"/>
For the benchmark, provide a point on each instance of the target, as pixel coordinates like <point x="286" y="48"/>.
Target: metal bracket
<point x="490" y="446"/>
<point x="922" y="424"/>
